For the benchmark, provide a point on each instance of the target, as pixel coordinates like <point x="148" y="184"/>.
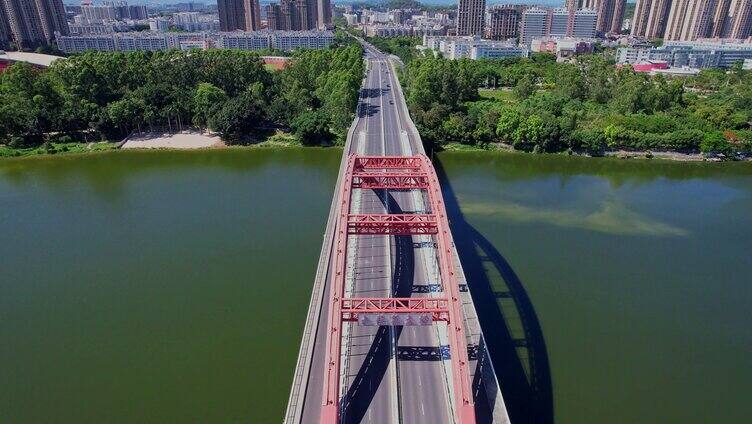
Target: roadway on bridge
<point x="392" y="374"/>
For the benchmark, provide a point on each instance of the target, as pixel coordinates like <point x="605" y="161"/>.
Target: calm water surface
<point x="172" y="286"/>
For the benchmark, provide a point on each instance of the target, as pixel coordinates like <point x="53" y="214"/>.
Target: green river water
<point x="173" y="286"/>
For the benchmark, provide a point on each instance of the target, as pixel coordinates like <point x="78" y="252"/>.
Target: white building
<point x="149" y="42"/>
<point x="244" y="40"/>
<point x="255" y="40"/>
<point x="392" y="30"/>
<point x="79" y="44"/>
<point x="159" y="24"/>
<point x="293" y="40"/>
<point x="472" y="48"/>
<point x="496" y="51"/>
<point x="700" y="54"/>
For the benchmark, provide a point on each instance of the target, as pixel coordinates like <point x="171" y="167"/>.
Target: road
<point x="390" y="374"/>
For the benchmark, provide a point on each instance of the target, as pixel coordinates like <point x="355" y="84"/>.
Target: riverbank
<point x="57" y="148"/>
<point x="620" y="154"/>
<point x="183" y="141"/>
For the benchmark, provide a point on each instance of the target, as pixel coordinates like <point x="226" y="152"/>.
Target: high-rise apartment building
<point x="533" y="24"/>
<point x="252" y="12"/>
<point x="99" y="13"/>
<point x="584" y="24"/>
<point x="52" y="17"/>
<point x="687" y="20"/>
<point x="720" y="18"/>
<point x="503" y="22"/>
<point x="296" y="15"/>
<point x="290" y="15"/>
<point x="470" y="17"/>
<point x="650" y="18"/>
<point x="558" y="20"/>
<point x="538" y="23"/>
<point x="740" y="19"/>
<point x="690" y="19"/>
<point x="274" y="20"/>
<point x="231" y="15"/>
<point x="325" y="13"/>
<point x="610" y="15"/>
<point x="5" y="35"/>
<point x="242" y="15"/>
<point x="308" y="14"/>
<point x="31" y="23"/>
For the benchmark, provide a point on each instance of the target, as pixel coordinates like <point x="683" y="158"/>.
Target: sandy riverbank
<point x="182" y="140"/>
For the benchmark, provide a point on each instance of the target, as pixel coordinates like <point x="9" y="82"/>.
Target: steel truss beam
<point x="387" y="162"/>
<point x="392" y="224"/>
<point x="390" y="180"/>
<point x="437" y="307"/>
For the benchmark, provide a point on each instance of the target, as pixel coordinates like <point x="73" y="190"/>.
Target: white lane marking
<point x="422" y="409"/>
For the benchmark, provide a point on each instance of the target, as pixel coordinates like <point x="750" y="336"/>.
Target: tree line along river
<point x="172" y="286"/>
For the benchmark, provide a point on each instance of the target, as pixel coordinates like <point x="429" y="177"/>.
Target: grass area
<point x="459" y="147"/>
<point x="56" y="148"/>
<point x="279" y="139"/>
<point x="504" y="96"/>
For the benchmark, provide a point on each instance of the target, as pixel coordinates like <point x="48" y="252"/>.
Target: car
<point x="391" y="102"/>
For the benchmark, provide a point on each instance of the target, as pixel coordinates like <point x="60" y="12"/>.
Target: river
<point x="172" y="286"/>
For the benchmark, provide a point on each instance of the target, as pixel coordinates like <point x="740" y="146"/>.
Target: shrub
<point x="715" y="142"/>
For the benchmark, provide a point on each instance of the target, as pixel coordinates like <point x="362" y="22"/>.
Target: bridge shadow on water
<point x="363" y="387"/>
<point x="521" y="363"/>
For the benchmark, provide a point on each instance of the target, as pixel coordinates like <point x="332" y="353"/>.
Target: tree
<point x="312" y="128"/>
<point x="509" y="120"/>
<point x="238" y="117"/>
<point x="207" y="100"/>
<point x="525" y="87"/>
<point x="570" y="83"/>
<point x="126" y="114"/>
<point x="715" y="142"/>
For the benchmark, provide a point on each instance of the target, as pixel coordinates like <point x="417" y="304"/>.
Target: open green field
<point x="500" y="95"/>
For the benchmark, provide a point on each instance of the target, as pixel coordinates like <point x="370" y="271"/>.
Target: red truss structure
<point x="395" y="172"/>
<point x="392" y="224"/>
<point x="390" y="180"/>
<point x="388" y="162"/>
<point x="438" y="308"/>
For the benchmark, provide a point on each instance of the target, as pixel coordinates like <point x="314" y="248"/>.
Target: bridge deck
<point x="416" y="387"/>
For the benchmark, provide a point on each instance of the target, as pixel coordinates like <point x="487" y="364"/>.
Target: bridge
<point x="391" y="334"/>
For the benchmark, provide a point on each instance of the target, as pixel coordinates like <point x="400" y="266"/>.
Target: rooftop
<point x="33" y="58"/>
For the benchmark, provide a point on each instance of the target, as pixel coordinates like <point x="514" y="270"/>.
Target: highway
<point x="389" y="374"/>
<point x="393" y="374"/>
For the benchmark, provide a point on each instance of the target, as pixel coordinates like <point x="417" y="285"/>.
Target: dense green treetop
<point x="538" y="104"/>
<point x="228" y="91"/>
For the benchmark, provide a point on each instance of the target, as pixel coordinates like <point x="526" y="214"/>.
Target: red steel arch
<point x="395" y="172"/>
